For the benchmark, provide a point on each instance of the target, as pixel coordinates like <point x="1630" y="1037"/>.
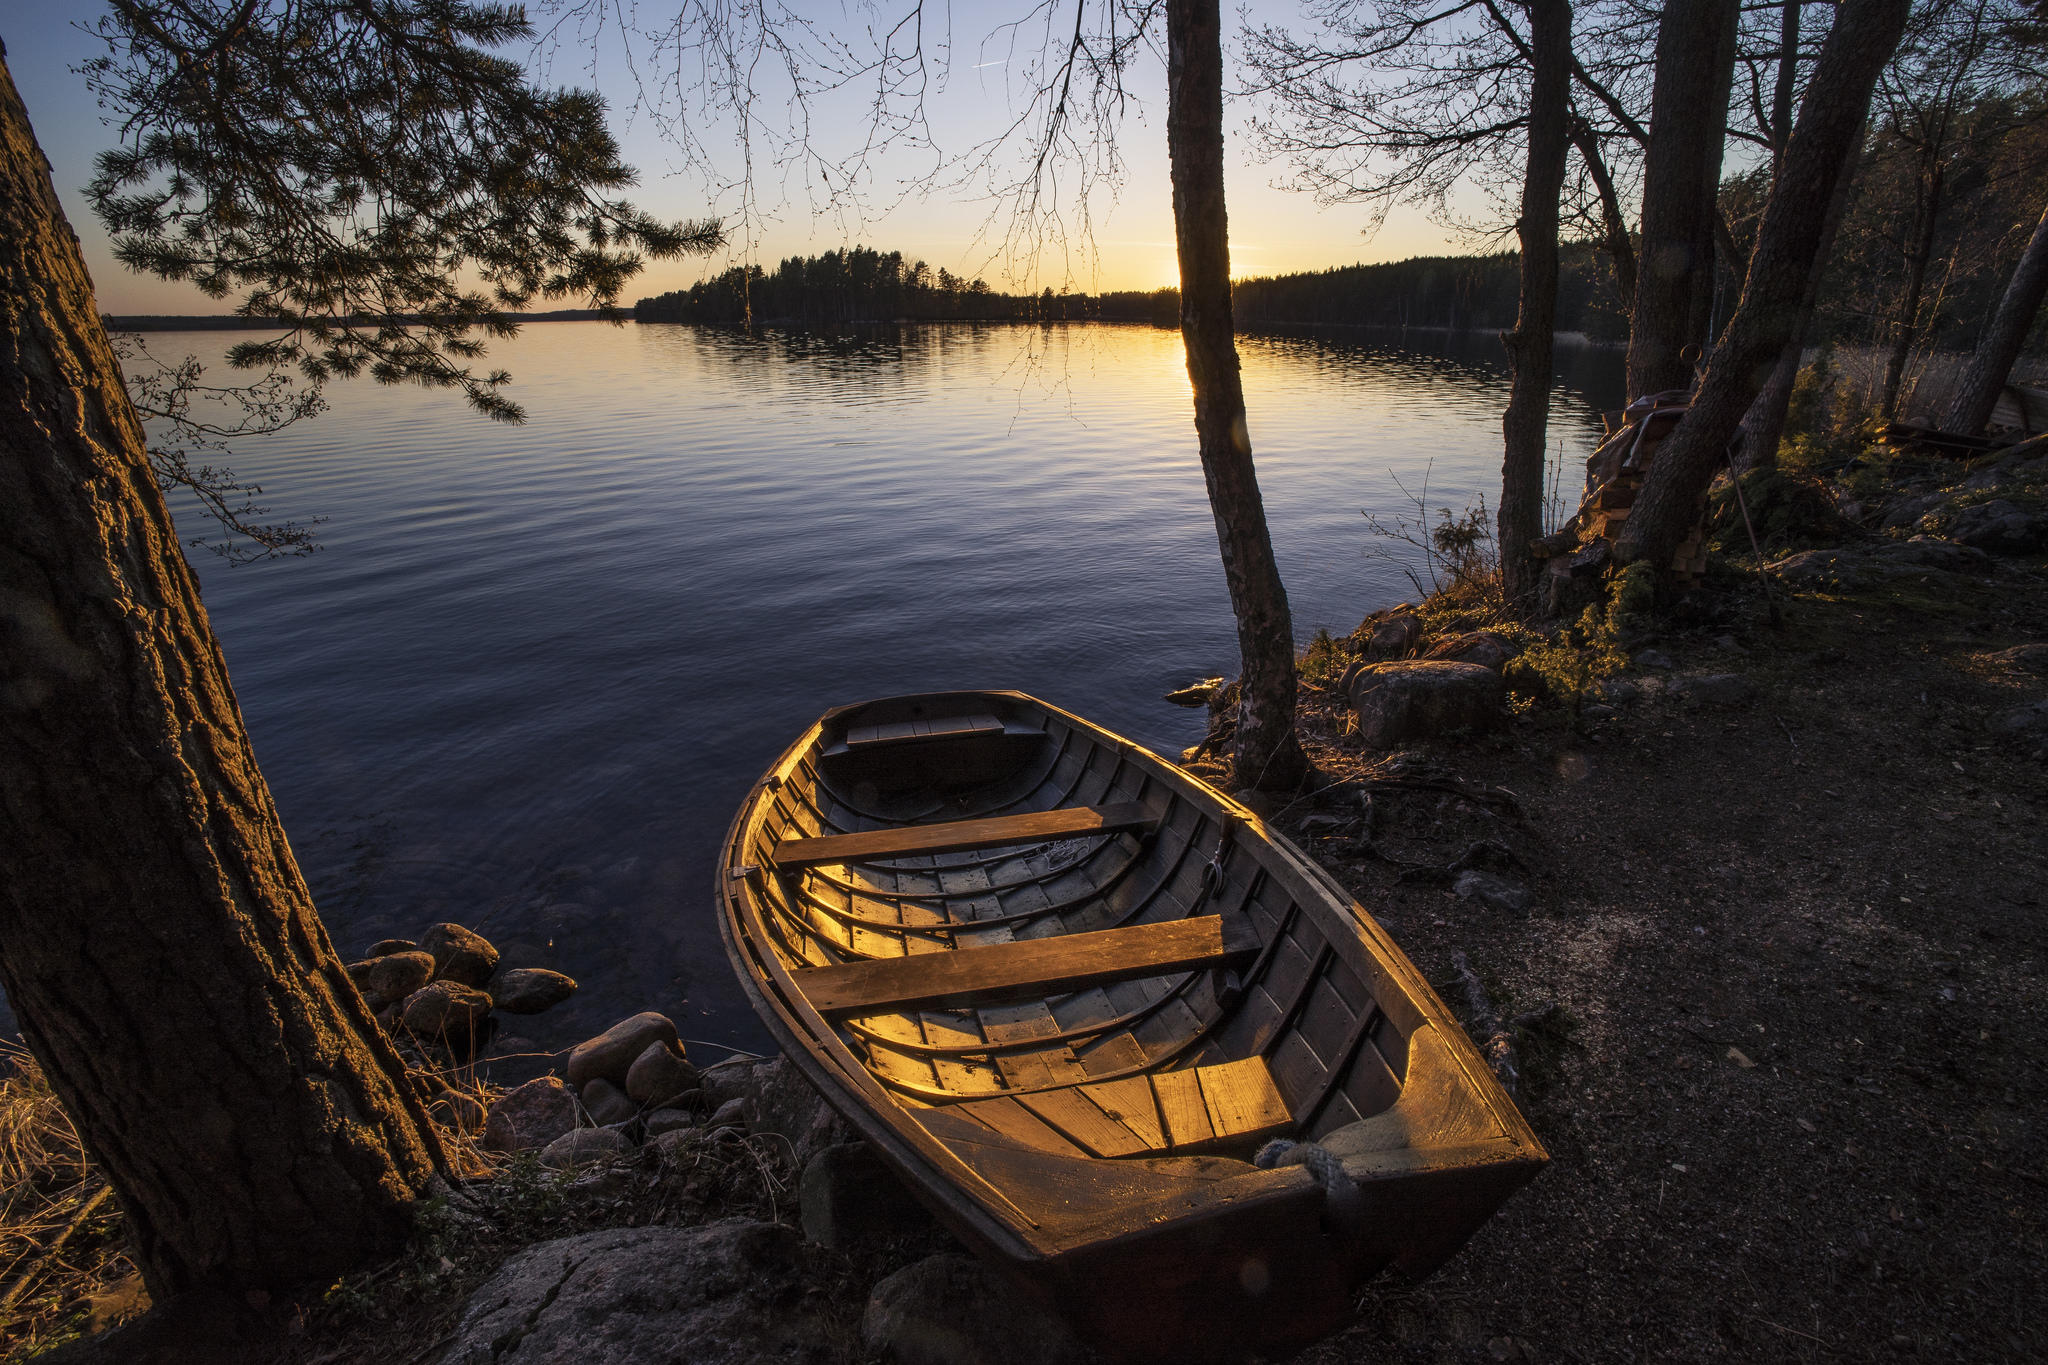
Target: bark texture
<point x="1763" y="426"/>
<point x="1992" y="361"/>
<point x="1787" y="245"/>
<point x="1674" y="294"/>
<point x="1531" y="344"/>
<point x="156" y="939"/>
<point x="1905" y="327"/>
<point x="1266" y="753"/>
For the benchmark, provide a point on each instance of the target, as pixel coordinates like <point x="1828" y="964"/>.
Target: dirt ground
<point x="1793" y="1097"/>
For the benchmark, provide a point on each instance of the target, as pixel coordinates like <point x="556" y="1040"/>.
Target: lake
<point x="532" y="670"/>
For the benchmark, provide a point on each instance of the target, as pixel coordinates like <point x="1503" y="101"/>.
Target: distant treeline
<point x="1459" y="293"/>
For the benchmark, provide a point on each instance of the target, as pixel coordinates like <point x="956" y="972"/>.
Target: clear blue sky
<point x="957" y="227"/>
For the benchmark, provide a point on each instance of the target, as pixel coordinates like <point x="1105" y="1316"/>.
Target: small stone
<point x="848" y="1198"/>
<point x="1653" y="658"/>
<point x="584" y="1144"/>
<point x="669" y="1121"/>
<point x="1599" y="711"/>
<point x="384" y="947"/>
<point x="390" y="978"/>
<point x="1496" y="893"/>
<point x="660" y="1074"/>
<point x="445" y="1009"/>
<point x="529" y="990"/>
<point x="605" y="1103"/>
<point x="1714" y="689"/>
<point x="731" y="1114"/>
<point x="1400" y="702"/>
<point x="460" y="955"/>
<point x="463" y="1113"/>
<point x="1620" y="691"/>
<point x="532" y="1115"/>
<point x="611" y="1054"/>
<point x="953" y="1310"/>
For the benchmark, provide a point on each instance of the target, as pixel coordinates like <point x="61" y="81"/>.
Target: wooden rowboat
<point x="1068" y="991"/>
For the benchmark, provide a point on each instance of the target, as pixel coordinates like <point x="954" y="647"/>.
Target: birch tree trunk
<point x="156" y="939"/>
<point x="1532" y="343"/>
<point x="1266" y="754"/>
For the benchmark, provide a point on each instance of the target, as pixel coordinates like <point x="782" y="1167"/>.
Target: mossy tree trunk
<point x="156" y="939"/>
<point x="1531" y="345"/>
<point x="1266" y="753"/>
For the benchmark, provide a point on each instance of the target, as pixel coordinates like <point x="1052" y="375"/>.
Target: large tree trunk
<point x="1919" y="251"/>
<point x="1672" y="311"/>
<point x="1787" y="243"/>
<point x="1531" y="344"/>
<point x="1763" y="426"/>
<point x="156" y="940"/>
<point x="1266" y="754"/>
<point x="2000" y="345"/>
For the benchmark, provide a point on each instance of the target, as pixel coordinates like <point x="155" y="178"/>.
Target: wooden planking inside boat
<point x="1067" y="990"/>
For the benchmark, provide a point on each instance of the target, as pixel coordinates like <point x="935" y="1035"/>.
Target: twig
<point x="29" y="1272"/>
<point x="1777" y="617"/>
<point x="1788" y="736"/>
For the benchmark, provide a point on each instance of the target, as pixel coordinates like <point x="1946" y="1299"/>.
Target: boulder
<point x="660" y="1074"/>
<point x="736" y="1112"/>
<point x="670" y="1144"/>
<point x="611" y="1054"/>
<point x="1392" y="636"/>
<point x="529" y="990"/>
<point x="786" y="1106"/>
<point x="1400" y="702"/>
<point x="849" y="1199"/>
<point x="1496" y="893"/>
<point x="729" y="1293"/>
<point x="460" y="954"/>
<point x="584" y="1144"/>
<point x="2001" y="528"/>
<point x="1486" y="648"/>
<point x="953" y="1310"/>
<point x="389" y="978"/>
<point x="606" y="1103"/>
<point x="383" y="947"/>
<point x="533" y="1115"/>
<point x="1620" y="691"/>
<point x="1714" y="689"/>
<point x="670" y="1121"/>
<point x="445" y="1009"/>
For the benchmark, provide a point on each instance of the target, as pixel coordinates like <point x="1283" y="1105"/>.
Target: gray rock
<point x="1483" y="647"/>
<point x="730" y="1293"/>
<point x="388" y="978"/>
<point x="671" y="1144"/>
<point x="1908" y="512"/>
<point x="786" y="1106"/>
<point x="1393" y="636"/>
<point x="2022" y="721"/>
<point x="1927" y="552"/>
<point x="1653" y="658"/>
<point x="611" y="1054"/>
<point x="1819" y="569"/>
<point x="660" y="1074"/>
<point x="460" y="955"/>
<point x="670" y="1121"/>
<point x="386" y="946"/>
<point x="444" y="1009"/>
<point x="463" y="1113"/>
<point x="736" y="1112"/>
<point x="849" y="1199"/>
<point x="533" y="1115"/>
<point x="584" y="1144"/>
<point x="729" y="1079"/>
<point x="1196" y="693"/>
<point x="953" y="1310"/>
<point x="605" y="1102"/>
<point x="1999" y="527"/>
<point x="529" y="990"/>
<point x="1600" y="710"/>
<point x="1401" y="702"/>
<point x="2029" y="658"/>
<point x="1714" y="689"/>
<point x="1620" y="691"/>
<point x="1497" y="893"/>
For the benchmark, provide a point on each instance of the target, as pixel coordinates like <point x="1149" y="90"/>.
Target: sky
<point x="912" y="199"/>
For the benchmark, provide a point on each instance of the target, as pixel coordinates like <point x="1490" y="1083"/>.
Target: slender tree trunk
<point x="1267" y="754"/>
<point x="1530" y="346"/>
<point x="1906" y="322"/>
<point x="1763" y="426"/>
<point x="156" y="940"/>
<point x="1787" y="244"/>
<point x="2000" y="345"/>
<point x="1788" y="72"/>
<point x="1620" y="251"/>
<point x="1681" y="178"/>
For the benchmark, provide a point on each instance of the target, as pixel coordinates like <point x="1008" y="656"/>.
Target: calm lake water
<point x="532" y="670"/>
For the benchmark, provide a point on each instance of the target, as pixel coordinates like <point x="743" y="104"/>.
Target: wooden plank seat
<point x="1228" y="1106"/>
<point x="900" y="731"/>
<point x="1027" y="969"/>
<point x="906" y="841"/>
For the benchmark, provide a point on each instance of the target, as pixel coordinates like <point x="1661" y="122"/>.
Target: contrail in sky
<point x="979" y="65"/>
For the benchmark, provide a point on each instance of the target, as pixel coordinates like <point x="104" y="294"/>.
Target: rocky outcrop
<point x="849" y="1199"/>
<point x="1399" y="703"/>
<point x="953" y="1310"/>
